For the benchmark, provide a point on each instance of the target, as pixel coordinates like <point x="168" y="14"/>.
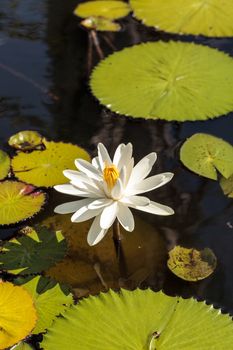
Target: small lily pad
<point x="18" y="315"/>
<point x="227" y="186"/>
<point x="25" y="140"/>
<point x="206" y="155"/>
<point x="33" y="252"/>
<point x="45" y="168"/>
<point x="191" y="264"/>
<point x="101" y="24"/>
<point x="107" y="9"/>
<point x="5" y="164"/>
<point x="19" y="201"/>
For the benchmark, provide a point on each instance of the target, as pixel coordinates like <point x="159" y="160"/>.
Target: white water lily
<point x="110" y="188"/>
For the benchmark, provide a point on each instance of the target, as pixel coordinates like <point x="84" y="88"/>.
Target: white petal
<point x="125" y="218"/>
<point x="100" y="203"/>
<point x="77" y="177"/>
<point x="96" y="233"/>
<point x="103" y="155"/>
<point x="123" y="176"/>
<point x="134" y="201"/>
<point x="126" y="156"/>
<point x="71" y="207"/>
<point x="96" y="163"/>
<point x="87" y="168"/>
<point x="69" y="189"/>
<point x="129" y="168"/>
<point x="117" y="190"/>
<point x="108" y="215"/>
<point x="157" y="209"/>
<point x="84" y="214"/>
<point x="142" y="168"/>
<point x="118" y="153"/>
<point x="92" y="190"/>
<point x="149" y="184"/>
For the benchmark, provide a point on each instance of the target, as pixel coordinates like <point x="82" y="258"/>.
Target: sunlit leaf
<point x="107" y="9"/>
<point x="17" y="316"/>
<point x="44" y="168"/>
<point x="101" y="24"/>
<point x="141" y="319"/>
<point x="227" y="186"/>
<point x="210" y="18"/>
<point x="191" y="264"/>
<point x="19" y="201"/>
<point x="32" y="252"/>
<point x="22" y="346"/>
<point x="25" y="140"/>
<point x="172" y="81"/>
<point x="5" y="164"/>
<point x="207" y="155"/>
<point x="48" y="304"/>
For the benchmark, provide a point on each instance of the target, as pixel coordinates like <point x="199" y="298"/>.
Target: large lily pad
<point x="5" y="164"/>
<point x="171" y="81"/>
<point x="17" y="316"/>
<point x="207" y="155"/>
<point x="32" y="252"/>
<point x="103" y="8"/>
<point x="140" y="320"/>
<point x="19" y="201"/>
<point x="210" y="18"/>
<point x="44" y="168"/>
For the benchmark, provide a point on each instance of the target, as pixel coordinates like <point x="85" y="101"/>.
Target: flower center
<point x="110" y="175"/>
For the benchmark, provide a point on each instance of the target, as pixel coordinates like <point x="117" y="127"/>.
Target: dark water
<point x="43" y="75"/>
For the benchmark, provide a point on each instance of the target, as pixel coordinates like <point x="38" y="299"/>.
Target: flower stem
<point x="117" y="239"/>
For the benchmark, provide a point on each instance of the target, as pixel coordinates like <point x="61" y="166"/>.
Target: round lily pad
<point x="101" y="24"/>
<point x="209" y="18"/>
<point x="25" y="140"/>
<point x="207" y="155"/>
<point x="19" y="201"/>
<point x="191" y="264"/>
<point x="141" y="319"/>
<point x="171" y="81"/>
<point x="5" y="164"/>
<point x="45" y="168"/>
<point x="17" y="316"/>
<point x="107" y="9"/>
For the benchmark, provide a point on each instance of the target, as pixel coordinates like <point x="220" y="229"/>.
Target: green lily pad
<point x="107" y="9"/>
<point x="206" y="155"/>
<point x="19" y="201"/>
<point x="22" y="346"/>
<point x="101" y="24"/>
<point x="141" y="319"/>
<point x="171" y="81"/>
<point x="227" y="186"/>
<point x="191" y="264"/>
<point x="210" y="18"/>
<point x="25" y="140"/>
<point x="5" y="164"/>
<point x="45" y="168"/>
<point x="32" y="252"/>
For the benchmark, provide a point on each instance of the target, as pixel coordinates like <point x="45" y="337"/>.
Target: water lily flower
<point x="110" y="187"/>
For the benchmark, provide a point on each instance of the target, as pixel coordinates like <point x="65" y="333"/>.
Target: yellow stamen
<point x="110" y="175"/>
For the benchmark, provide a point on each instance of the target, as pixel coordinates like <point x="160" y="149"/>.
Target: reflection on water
<point x="42" y="41"/>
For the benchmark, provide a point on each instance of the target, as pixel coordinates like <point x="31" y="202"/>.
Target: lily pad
<point x="227" y="186"/>
<point x="25" y="140"/>
<point x="207" y="155"/>
<point x="171" y="81"/>
<point x="141" y="319"/>
<point x="107" y="9"/>
<point x="210" y="18"/>
<point x="191" y="264"/>
<point x="5" y="164"/>
<point x="32" y="252"/>
<point x="18" y="314"/>
<point x="44" y="168"/>
<point x="101" y="24"/>
<point x="19" y="201"/>
<point x="22" y="346"/>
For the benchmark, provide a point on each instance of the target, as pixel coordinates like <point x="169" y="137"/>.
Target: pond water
<point x="44" y="87"/>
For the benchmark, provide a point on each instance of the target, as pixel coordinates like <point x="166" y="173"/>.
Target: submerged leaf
<point x="17" y="316"/>
<point x="191" y="264"/>
<point x="19" y="201"/>
<point x="5" y="164"/>
<point x="25" y="140"/>
<point x="103" y="8"/>
<point x="210" y="18"/>
<point x="44" y="168"/>
<point x="138" y="319"/>
<point x="101" y="24"/>
<point x="227" y="186"/>
<point x="171" y="81"/>
<point x="33" y="252"/>
<point x="206" y="155"/>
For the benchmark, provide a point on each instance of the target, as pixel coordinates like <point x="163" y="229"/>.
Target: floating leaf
<point x="44" y="168"/>
<point x="17" y="316"/>
<point x="206" y="154"/>
<point x="171" y="81"/>
<point x="25" y="140"/>
<point x="33" y="252"/>
<point x="227" y="186"/>
<point x="101" y="24"/>
<point x="48" y="304"/>
<point x="5" y="164"/>
<point x="107" y="9"/>
<point x="210" y="18"/>
<point x="22" y="346"/>
<point x="19" y="201"/>
<point x="141" y="319"/>
<point x="191" y="264"/>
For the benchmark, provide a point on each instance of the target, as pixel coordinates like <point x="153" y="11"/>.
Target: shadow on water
<point x="43" y="43"/>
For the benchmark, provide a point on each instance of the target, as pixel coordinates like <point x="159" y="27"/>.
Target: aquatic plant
<point x="109" y="9"/>
<point x="5" y="164"/>
<point x="26" y="140"/>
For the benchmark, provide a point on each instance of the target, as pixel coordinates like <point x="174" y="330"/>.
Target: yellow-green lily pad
<point x="25" y="140"/>
<point x="108" y="9"/>
<point x="101" y="24"/>
<point x="227" y="186"/>
<point x="191" y="264"/>
<point x="207" y="155"/>
<point x="5" y="164"/>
